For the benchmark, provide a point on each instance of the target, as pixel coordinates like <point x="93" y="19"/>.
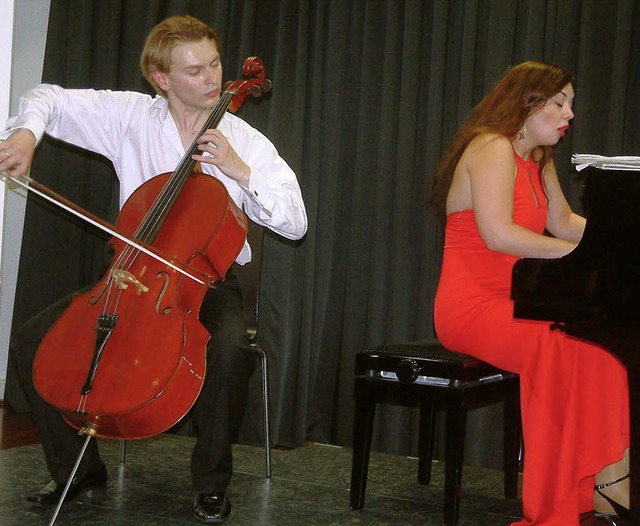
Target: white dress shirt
<point x="137" y="133"/>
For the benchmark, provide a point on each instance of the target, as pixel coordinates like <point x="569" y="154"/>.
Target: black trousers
<point x="217" y="413"/>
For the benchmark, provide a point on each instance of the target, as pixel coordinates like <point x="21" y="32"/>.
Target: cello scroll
<point x="257" y="84"/>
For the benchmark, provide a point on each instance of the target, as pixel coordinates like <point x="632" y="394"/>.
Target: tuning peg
<point x="257" y="90"/>
<point x="266" y="86"/>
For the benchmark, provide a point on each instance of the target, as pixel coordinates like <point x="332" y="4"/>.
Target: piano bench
<point x="426" y="375"/>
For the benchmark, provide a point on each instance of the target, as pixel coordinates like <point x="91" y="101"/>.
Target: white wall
<point x="23" y="33"/>
<point x="6" y="32"/>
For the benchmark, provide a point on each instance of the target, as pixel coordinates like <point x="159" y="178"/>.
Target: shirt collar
<point x="159" y="107"/>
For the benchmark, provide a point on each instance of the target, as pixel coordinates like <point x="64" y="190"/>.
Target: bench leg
<point x="363" y="426"/>
<point x="454" y="452"/>
<point x="426" y="441"/>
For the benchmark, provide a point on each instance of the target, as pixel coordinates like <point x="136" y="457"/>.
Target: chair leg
<point x="426" y="441"/>
<point x="123" y="451"/>
<point x="265" y="401"/>
<point x="454" y="452"/>
<point x="363" y="426"/>
<point x="511" y="439"/>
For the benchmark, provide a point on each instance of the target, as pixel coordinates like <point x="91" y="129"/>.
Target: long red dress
<point x="575" y="409"/>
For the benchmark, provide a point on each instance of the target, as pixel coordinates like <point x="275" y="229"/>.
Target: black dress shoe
<point x="82" y="482"/>
<point x="210" y="508"/>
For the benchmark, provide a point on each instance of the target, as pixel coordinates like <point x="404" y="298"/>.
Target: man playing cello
<point x="145" y="136"/>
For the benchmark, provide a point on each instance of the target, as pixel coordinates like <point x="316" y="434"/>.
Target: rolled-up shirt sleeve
<point x="29" y="121"/>
<point x="277" y="205"/>
<point x="273" y="198"/>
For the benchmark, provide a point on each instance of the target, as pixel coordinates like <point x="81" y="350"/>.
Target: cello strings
<point x="159" y="210"/>
<point x="161" y="207"/>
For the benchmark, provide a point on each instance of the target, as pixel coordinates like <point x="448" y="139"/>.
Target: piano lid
<point x="598" y="282"/>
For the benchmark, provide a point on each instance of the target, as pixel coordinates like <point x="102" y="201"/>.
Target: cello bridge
<point x="123" y="278"/>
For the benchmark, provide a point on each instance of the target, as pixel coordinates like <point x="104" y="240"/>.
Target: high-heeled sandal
<point x="619" y="509"/>
<point x="609" y="520"/>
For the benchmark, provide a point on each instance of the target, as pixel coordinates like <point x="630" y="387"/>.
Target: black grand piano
<point x="593" y="293"/>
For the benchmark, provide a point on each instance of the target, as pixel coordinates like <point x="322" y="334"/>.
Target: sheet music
<point x="582" y="160"/>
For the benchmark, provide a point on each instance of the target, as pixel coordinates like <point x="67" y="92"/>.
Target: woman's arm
<point x="492" y="170"/>
<point x="562" y="222"/>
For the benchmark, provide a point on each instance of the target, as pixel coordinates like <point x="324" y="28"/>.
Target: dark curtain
<point x="366" y="96"/>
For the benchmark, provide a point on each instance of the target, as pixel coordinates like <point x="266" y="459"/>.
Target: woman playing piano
<point x="498" y="185"/>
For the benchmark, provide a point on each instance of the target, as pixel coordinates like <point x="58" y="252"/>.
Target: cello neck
<point x="187" y="164"/>
<point x="153" y="220"/>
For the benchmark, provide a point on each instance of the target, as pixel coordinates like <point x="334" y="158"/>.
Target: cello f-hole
<point x="163" y="311"/>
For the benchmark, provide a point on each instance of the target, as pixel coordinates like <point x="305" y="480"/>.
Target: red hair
<point x="522" y="91"/>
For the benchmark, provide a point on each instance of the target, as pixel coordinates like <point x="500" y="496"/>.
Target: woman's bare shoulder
<point x="489" y="141"/>
<point x="486" y="149"/>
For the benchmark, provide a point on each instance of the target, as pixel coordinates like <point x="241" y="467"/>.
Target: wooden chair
<point x="249" y="276"/>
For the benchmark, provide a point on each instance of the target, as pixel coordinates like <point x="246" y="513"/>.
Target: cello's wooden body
<point x="152" y="366"/>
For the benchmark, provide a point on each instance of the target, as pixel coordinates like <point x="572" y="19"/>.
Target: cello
<point x="126" y="359"/>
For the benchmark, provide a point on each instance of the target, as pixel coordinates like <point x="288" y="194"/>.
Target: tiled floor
<point x="309" y="486"/>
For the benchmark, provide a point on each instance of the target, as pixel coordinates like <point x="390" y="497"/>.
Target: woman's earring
<point x="522" y="133"/>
